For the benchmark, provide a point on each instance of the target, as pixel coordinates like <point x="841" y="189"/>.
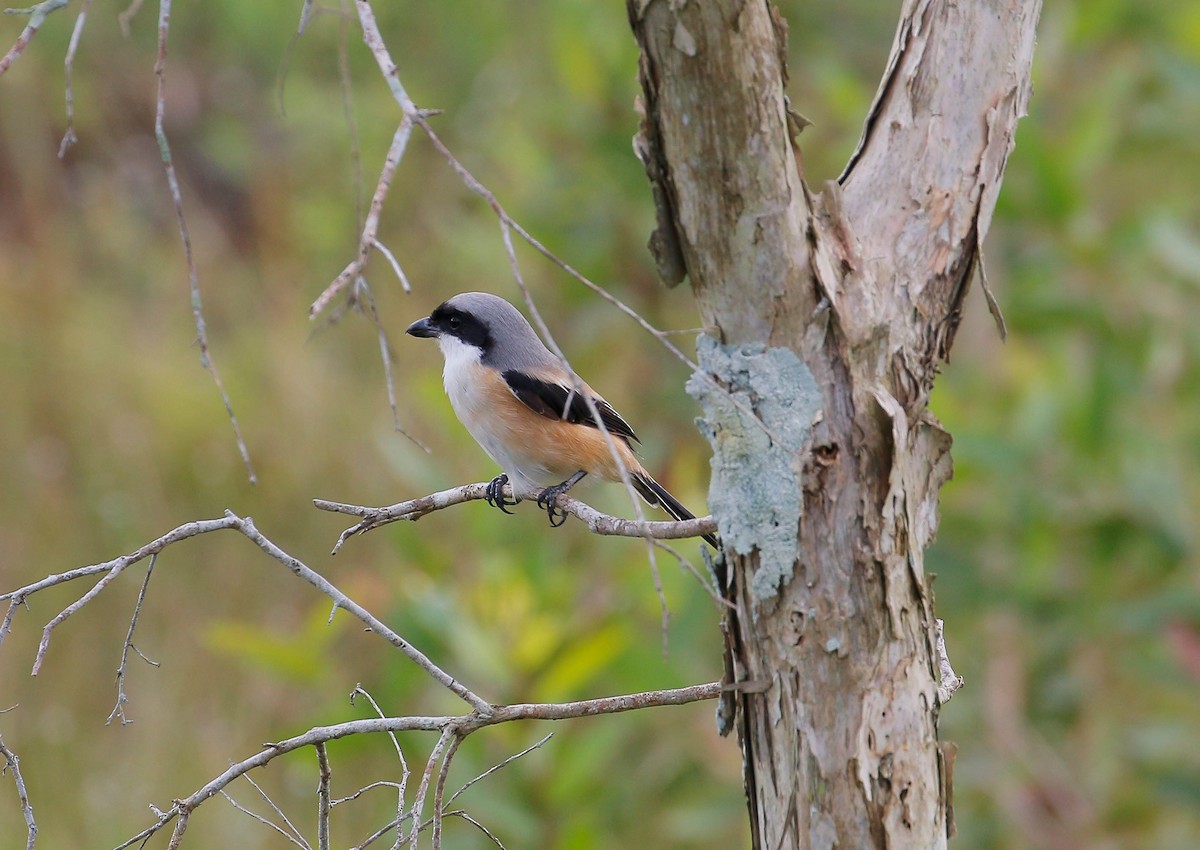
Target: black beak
<point x="422" y="328"/>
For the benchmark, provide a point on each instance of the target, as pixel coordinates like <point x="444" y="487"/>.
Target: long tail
<point x="655" y="494"/>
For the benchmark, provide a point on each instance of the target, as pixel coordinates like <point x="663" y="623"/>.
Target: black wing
<point x="550" y="399"/>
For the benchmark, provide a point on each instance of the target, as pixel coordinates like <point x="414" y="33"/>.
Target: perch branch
<point x="597" y="522"/>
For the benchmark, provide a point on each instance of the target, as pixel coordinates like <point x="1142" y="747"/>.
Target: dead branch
<point x="13" y="764"/>
<point x="164" y="148"/>
<point x="122" y="699"/>
<point x="246" y="527"/>
<point x="448" y="726"/>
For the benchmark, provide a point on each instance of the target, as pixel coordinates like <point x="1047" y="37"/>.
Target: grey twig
<point x="37" y="16"/>
<point x="449" y="732"/>
<point x="402" y="787"/>
<point x="13" y="764"/>
<point x="371" y="225"/>
<point x="439" y="792"/>
<point x="126" y="17"/>
<point x="256" y="816"/>
<point x="69" y="137"/>
<point x="325" y="777"/>
<point x="459" y="813"/>
<point x="496" y="767"/>
<point x="164" y="149"/>
<point x="294" y="834"/>
<point x="122" y="699"/>
<point x="597" y="522"/>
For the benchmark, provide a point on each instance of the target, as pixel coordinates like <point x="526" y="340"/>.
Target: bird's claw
<point x="494" y="494"/>
<point x="546" y="501"/>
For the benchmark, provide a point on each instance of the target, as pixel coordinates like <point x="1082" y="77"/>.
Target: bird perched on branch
<point x="521" y="405"/>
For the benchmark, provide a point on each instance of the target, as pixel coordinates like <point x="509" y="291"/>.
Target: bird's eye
<point x="454" y="321"/>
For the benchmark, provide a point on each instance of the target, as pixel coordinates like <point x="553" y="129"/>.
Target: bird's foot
<point x="546" y="499"/>
<point x="494" y="494"/>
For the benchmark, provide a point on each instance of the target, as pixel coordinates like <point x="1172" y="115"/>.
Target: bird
<point x="526" y="411"/>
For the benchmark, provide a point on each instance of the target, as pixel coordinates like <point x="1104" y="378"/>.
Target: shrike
<point x="519" y="403"/>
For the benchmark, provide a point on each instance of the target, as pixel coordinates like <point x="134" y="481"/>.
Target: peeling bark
<point x="863" y="284"/>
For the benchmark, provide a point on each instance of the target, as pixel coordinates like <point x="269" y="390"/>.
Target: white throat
<point x="458" y="354"/>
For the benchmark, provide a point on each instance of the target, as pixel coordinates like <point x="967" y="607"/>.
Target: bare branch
<point x="496" y="767"/>
<point x="371" y="226"/>
<point x="449" y="732"/>
<point x="597" y="522"/>
<point x="37" y="16"/>
<point x="439" y="793"/>
<point x="13" y="763"/>
<point x="69" y="137"/>
<point x="299" y="838"/>
<point x="256" y="816"/>
<point x="447" y="725"/>
<point x="164" y="149"/>
<point x="246" y="527"/>
<point x="459" y="813"/>
<point x="402" y="787"/>
<point x="325" y="776"/>
<point x="391" y="258"/>
<point x="364" y="297"/>
<point x="122" y="699"/>
<point x="126" y="17"/>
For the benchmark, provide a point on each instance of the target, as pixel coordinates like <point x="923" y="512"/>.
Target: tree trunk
<point x="833" y="311"/>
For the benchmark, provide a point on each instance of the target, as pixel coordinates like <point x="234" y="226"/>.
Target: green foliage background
<point x="1067" y="560"/>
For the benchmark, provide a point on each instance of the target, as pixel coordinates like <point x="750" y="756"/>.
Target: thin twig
<point x="705" y="581"/>
<point x="382" y="783"/>
<point x="122" y="699"/>
<point x="439" y="793"/>
<point x="299" y="838"/>
<point x="13" y="764"/>
<point x="256" y="816"/>
<point x="449" y="732"/>
<point x="125" y="19"/>
<point x="364" y="297"/>
<point x="596" y="522"/>
<point x="164" y="149"/>
<point x="69" y="138"/>
<point x="346" y="83"/>
<point x="325" y="776"/>
<point x="496" y="767"/>
<point x="371" y="225"/>
<point x="37" y="16"/>
<point x="402" y="787"/>
<point x="391" y="258"/>
<point x="459" y="813"/>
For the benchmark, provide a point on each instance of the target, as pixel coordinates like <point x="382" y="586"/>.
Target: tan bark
<point x="833" y="311"/>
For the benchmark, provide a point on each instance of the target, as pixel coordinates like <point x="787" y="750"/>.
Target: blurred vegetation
<point x="1067" y="562"/>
